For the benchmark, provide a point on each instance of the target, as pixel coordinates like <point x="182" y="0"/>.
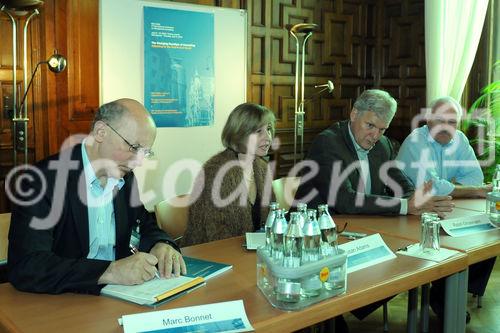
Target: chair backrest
<point x="284" y="190"/>
<point x="172" y="215"/>
<point x="4" y="236"/>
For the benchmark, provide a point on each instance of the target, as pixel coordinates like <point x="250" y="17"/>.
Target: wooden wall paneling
<point x="267" y="20"/>
<point x="403" y="61"/>
<point x="360" y="44"/>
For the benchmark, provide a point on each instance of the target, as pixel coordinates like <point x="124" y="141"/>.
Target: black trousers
<point x="364" y="311"/>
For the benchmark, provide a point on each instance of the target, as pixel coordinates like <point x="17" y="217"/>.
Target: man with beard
<point x="441" y="153"/>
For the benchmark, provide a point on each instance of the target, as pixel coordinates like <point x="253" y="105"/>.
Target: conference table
<point x="471" y="204"/>
<point x="477" y="247"/>
<point x="28" y="312"/>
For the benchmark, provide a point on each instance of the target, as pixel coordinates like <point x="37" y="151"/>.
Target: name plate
<point x="216" y="317"/>
<point x="366" y="252"/>
<point x="467" y="225"/>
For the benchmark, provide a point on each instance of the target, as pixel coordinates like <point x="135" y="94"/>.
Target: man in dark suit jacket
<point x="56" y="238"/>
<point x="355" y="169"/>
<point x="352" y="169"/>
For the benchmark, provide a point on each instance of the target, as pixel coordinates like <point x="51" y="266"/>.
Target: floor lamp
<point x="306" y="30"/>
<point x="56" y="63"/>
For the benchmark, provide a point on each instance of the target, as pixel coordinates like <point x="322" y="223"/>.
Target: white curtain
<point x="452" y="32"/>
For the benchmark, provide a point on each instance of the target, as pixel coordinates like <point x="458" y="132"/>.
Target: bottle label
<point x="324" y="274"/>
<point x="263" y="270"/>
<point x="498" y="205"/>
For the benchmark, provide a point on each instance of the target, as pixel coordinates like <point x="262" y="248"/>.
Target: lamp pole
<point x="20" y="116"/>
<point x="14" y="82"/>
<point x="306" y="29"/>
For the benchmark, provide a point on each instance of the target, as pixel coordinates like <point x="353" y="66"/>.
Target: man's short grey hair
<point x="446" y="100"/>
<point x="110" y="113"/>
<point x="377" y="101"/>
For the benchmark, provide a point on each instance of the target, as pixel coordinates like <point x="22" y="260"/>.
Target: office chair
<point x="284" y="190"/>
<point x="172" y="215"/>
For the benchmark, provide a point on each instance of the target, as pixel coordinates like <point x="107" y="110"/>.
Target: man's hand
<point x="169" y="260"/>
<point x="135" y="269"/>
<point x="462" y="191"/>
<point x="484" y="189"/>
<point x="422" y="201"/>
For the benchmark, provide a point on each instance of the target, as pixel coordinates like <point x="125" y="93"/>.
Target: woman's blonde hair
<point x="244" y="120"/>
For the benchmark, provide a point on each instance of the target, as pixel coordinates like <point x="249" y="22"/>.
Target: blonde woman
<point x="234" y="186"/>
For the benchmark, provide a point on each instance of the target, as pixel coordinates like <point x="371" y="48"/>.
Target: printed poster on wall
<point x="179" y="67"/>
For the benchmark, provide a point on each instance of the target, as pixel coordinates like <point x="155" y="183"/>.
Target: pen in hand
<point x="134" y="250"/>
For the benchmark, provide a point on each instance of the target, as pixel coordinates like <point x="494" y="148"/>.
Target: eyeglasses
<point x="134" y="148"/>
<point x="441" y="121"/>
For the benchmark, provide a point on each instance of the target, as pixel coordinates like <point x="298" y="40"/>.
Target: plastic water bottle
<point x="280" y="227"/>
<point x="294" y="240"/>
<point x="268" y="228"/>
<point x="493" y="199"/>
<point x="329" y="245"/>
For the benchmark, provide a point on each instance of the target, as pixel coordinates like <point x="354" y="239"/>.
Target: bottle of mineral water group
<point x="280" y="227"/>
<point x="493" y="199"/>
<point x="311" y="285"/>
<point x="312" y="238"/>
<point x="328" y="229"/>
<point x="268" y="228"/>
<point x="302" y="210"/>
<point x="294" y="240"/>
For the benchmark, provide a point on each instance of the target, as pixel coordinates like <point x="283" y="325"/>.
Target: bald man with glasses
<point x="77" y="222"/>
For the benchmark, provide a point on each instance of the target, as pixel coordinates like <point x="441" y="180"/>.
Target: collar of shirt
<point x="359" y="149"/>
<point x="91" y="180"/>
<point x="434" y="142"/>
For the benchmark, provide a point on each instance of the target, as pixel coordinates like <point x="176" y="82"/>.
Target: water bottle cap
<point x="301" y="206"/>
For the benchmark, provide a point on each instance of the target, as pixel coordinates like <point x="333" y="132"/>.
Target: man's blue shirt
<point x="426" y="159"/>
<point x="102" y="232"/>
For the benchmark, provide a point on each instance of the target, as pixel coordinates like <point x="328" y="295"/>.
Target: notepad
<point x="153" y="291"/>
<point x="204" y="268"/>
<point x="161" y="290"/>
